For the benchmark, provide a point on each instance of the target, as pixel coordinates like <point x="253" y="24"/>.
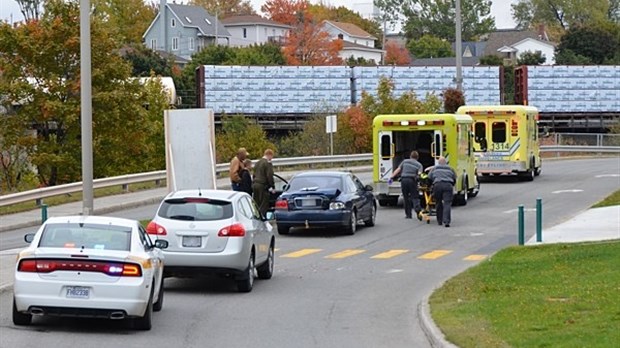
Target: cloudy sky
<point x="9" y="9"/>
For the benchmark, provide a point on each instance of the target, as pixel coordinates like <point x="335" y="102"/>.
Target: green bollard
<point x="43" y="213"/>
<point x="538" y="220"/>
<point x="521" y="225"/>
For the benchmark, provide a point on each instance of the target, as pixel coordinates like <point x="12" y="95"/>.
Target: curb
<point x="433" y="334"/>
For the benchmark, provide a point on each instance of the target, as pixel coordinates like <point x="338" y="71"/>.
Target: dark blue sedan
<point x="325" y="199"/>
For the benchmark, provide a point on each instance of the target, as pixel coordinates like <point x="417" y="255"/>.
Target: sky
<point x="499" y="8"/>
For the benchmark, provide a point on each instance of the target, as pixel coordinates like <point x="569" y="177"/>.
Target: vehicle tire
<point x="393" y="201"/>
<point x="283" y="229"/>
<point x="157" y="306"/>
<point x="537" y="171"/>
<point x="265" y="271"/>
<point x="20" y="318"/>
<point x="383" y="202"/>
<point x="462" y="198"/>
<point x="373" y="216"/>
<point x="145" y="322"/>
<point x="474" y="191"/>
<point x="352" y="226"/>
<point x="527" y="176"/>
<point x="246" y="282"/>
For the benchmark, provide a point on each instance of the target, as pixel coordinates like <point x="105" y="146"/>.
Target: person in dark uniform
<point x="409" y="171"/>
<point x="263" y="181"/>
<point x="443" y="178"/>
<point x="246" y="176"/>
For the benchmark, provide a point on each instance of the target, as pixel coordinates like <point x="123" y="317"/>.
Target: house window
<point x="175" y="43"/>
<point x="245" y="33"/>
<point x="191" y="43"/>
<point x="340" y="36"/>
<point x="173" y="23"/>
<point x="153" y="44"/>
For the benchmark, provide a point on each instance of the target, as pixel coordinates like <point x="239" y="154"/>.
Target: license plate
<point x="192" y="241"/>
<point x="308" y="202"/>
<point x="78" y="292"/>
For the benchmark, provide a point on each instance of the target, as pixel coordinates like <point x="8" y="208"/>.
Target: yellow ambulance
<point x="506" y="139"/>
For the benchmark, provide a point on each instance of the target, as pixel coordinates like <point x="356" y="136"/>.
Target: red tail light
<point x="109" y="268"/>
<point x="235" y="230"/>
<point x="156" y="229"/>
<point x="281" y="204"/>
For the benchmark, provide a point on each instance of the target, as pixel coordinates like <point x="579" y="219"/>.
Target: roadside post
<point x="521" y="225"/>
<point x="43" y="213"/>
<point x="538" y="220"/>
<point x="331" y="125"/>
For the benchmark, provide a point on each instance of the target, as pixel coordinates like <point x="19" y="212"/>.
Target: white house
<point x="510" y="44"/>
<point x="357" y="43"/>
<point x="254" y="30"/>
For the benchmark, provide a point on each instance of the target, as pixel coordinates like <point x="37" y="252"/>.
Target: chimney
<point x="163" y="17"/>
<point x="542" y="33"/>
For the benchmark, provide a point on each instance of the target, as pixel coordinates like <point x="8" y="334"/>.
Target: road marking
<point x="607" y="176"/>
<point x="302" y="252"/>
<point x="567" y="191"/>
<point x="395" y="270"/>
<point x="435" y="254"/>
<point x="390" y="254"/>
<point x="345" y="253"/>
<point x="475" y="257"/>
<point x="276" y="249"/>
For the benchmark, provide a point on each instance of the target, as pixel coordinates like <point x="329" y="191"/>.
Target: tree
<point x="31" y="9"/>
<point x="492" y="60"/>
<point x="225" y="8"/>
<point x="42" y="75"/>
<point x="146" y="62"/>
<point x="395" y="54"/>
<point x="452" y="100"/>
<point x="531" y="58"/>
<point x="321" y="12"/>
<point x="563" y="14"/>
<point x="359" y="61"/>
<point x="599" y="43"/>
<point x="308" y="44"/>
<point x="284" y="11"/>
<point x="430" y="47"/>
<point x="437" y="17"/>
<point x="238" y="131"/>
<point x="127" y="19"/>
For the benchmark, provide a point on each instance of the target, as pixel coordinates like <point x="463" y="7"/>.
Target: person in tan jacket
<point x="236" y="165"/>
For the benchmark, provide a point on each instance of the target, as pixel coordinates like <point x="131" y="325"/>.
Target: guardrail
<point x="124" y="180"/>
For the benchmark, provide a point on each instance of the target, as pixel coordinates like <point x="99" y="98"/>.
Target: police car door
<point x="386" y="155"/>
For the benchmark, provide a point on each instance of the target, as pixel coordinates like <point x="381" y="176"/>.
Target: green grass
<point x="613" y="199"/>
<point x="562" y="295"/>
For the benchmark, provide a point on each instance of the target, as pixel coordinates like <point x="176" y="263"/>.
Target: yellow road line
<point x="435" y="254"/>
<point x="390" y="254"/>
<point x="475" y="257"/>
<point x="302" y="252"/>
<point x="345" y="253"/>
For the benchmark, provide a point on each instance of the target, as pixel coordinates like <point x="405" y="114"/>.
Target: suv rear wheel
<point x="246" y="281"/>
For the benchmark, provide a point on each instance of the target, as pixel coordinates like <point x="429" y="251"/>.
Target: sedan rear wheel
<point x="145" y="322"/>
<point x="373" y="216"/>
<point x="283" y="229"/>
<point x="157" y="306"/>
<point x="352" y="227"/>
<point x="20" y="318"/>
<point x="246" y="283"/>
<point x="265" y="271"/>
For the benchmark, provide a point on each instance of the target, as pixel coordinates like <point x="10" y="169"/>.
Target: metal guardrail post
<point x="538" y="220"/>
<point x="43" y="213"/>
<point x="521" y="225"/>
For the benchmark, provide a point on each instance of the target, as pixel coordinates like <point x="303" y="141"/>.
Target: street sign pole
<point x="330" y="128"/>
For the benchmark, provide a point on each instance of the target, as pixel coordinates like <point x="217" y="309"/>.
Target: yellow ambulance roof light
<point x="421" y="123"/>
<point x="404" y="123"/>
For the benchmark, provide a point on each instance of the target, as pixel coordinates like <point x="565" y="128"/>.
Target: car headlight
<point x="336" y="205"/>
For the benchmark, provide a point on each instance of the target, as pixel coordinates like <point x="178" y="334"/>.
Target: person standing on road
<point x="443" y="178"/>
<point x="246" y="177"/>
<point x="263" y="184"/>
<point x="409" y="170"/>
<point x="236" y="164"/>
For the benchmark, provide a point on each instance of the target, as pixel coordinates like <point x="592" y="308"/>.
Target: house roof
<point x="351" y="29"/>
<point x="507" y="37"/>
<point x="447" y="61"/>
<point x="194" y="17"/>
<point x="251" y="20"/>
<point x="475" y="47"/>
<point x="347" y="45"/>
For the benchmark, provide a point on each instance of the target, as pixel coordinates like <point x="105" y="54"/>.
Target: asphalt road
<point x="367" y="299"/>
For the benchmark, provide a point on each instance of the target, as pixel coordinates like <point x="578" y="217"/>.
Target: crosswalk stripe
<point x="475" y="257"/>
<point x="345" y="253"/>
<point x="435" y="254"/>
<point x="390" y="254"/>
<point x="302" y="252"/>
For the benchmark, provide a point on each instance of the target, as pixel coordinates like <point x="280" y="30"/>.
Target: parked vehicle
<point x="89" y="266"/>
<point x="325" y="199"/>
<point x="214" y="232"/>
<point x="432" y="136"/>
<point x="506" y="139"/>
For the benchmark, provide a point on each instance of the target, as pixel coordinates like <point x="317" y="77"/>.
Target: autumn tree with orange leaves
<point x="396" y="54"/>
<point x="307" y="43"/>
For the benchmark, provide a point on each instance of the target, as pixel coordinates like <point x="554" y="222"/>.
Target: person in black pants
<point x="409" y="171"/>
<point x="443" y="178"/>
<point x="246" y="177"/>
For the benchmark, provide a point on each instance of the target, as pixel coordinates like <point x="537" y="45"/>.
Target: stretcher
<point x="427" y="200"/>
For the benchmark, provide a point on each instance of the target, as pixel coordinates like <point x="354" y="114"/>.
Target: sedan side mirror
<point x="368" y="188"/>
<point x="29" y="238"/>
<point x="269" y="216"/>
<point x="161" y="244"/>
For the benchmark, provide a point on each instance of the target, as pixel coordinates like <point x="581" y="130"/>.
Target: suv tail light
<point x="110" y="268"/>
<point x="156" y="229"/>
<point x="281" y="204"/>
<point x="235" y="230"/>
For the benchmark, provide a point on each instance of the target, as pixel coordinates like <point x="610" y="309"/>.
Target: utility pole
<point x="217" y="13"/>
<point x="459" y="48"/>
<point x="383" y="40"/>
<point x="86" y="108"/>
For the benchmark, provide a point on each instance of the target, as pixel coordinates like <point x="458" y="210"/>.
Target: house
<point x="254" y="30"/>
<point x="183" y="30"/>
<point x="511" y="43"/>
<point x="356" y="41"/>
<point x="471" y="48"/>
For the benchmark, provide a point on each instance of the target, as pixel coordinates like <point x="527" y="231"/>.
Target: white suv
<point x="214" y="232"/>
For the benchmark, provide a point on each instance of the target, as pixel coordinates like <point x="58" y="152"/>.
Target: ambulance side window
<point x="499" y="132"/>
<point x="480" y="135"/>
<point x="386" y="146"/>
